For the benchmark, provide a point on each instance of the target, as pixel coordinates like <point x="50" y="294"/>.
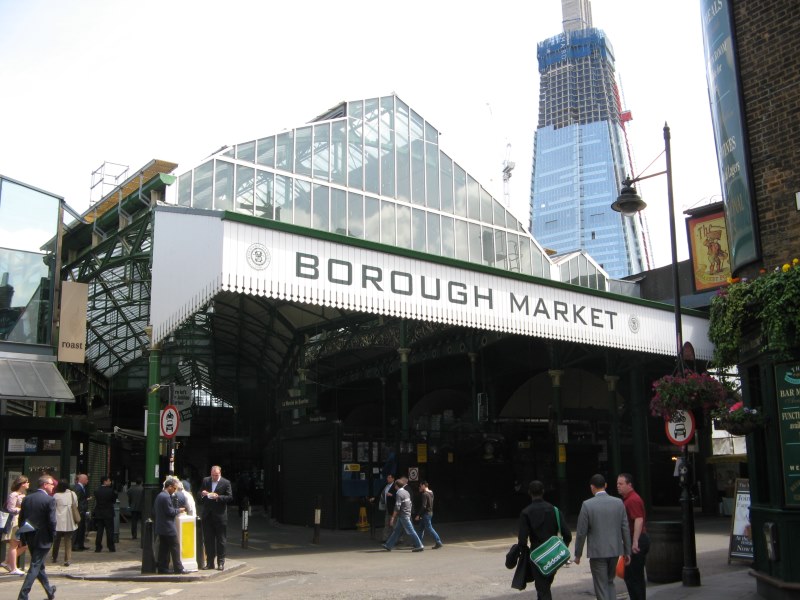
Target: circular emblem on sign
<point x="258" y="256"/>
<point x="634" y="324"/>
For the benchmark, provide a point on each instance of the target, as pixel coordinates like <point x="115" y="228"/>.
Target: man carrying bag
<point x="539" y="522"/>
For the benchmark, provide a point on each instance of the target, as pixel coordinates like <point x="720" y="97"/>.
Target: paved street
<point x="281" y="562"/>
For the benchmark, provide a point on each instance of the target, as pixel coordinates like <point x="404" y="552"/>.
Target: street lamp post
<point x="629" y="203"/>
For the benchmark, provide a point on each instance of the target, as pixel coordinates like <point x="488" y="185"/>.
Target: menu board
<point x="787" y="389"/>
<point x="741" y="545"/>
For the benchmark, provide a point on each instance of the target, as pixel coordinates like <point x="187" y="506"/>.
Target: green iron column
<point x="404" y="352"/>
<point x="614" y="451"/>
<point x="560" y="436"/>
<point x="153" y="433"/>
<point x="473" y="358"/>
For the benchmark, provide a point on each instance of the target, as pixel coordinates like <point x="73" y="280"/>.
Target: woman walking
<point x="66" y="508"/>
<point x="13" y="505"/>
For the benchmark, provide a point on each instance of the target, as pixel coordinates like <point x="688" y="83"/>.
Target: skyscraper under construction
<point x="580" y="148"/>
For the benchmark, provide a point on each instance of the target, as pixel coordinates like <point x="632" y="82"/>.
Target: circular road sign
<point x="170" y="419"/>
<point x="680" y="429"/>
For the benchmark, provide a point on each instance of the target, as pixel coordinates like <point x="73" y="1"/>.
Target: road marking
<point x="234" y="574"/>
<point x="137" y="590"/>
<point x="115" y="597"/>
<point x="171" y="592"/>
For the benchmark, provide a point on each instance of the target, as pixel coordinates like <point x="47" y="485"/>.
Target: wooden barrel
<point x="665" y="558"/>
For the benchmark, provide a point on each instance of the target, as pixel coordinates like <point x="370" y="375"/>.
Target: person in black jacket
<point x="537" y="523"/>
<point x="82" y="492"/>
<point x="165" y="510"/>
<point x="39" y="511"/>
<point x="215" y="495"/>
<point x="104" y="497"/>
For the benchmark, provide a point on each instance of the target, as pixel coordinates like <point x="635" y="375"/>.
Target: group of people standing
<point x="213" y="498"/>
<point x="610" y="528"/>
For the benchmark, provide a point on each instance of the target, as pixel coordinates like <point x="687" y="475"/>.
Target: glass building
<point x="580" y="149"/>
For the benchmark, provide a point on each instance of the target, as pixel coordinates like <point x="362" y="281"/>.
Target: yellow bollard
<point x="363" y="524"/>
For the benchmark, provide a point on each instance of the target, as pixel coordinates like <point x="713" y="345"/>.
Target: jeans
<point x="428" y="527"/>
<point x="36" y="571"/>
<point x="403" y="524"/>
<point x="634" y="572"/>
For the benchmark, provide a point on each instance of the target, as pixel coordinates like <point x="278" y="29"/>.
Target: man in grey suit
<point x="604" y="522"/>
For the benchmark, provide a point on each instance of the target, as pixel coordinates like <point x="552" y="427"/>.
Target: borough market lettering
<point x="402" y="283"/>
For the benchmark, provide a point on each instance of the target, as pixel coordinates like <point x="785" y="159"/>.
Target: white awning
<point x="195" y="256"/>
<point x="32" y="380"/>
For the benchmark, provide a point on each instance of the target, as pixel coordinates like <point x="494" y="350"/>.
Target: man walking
<point x="538" y="523"/>
<point x="640" y="541"/>
<point x="135" y="499"/>
<point x="604" y="522"/>
<point x="39" y="511"/>
<point x="401" y="518"/>
<point x="386" y="503"/>
<point x="82" y="492"/>
<point x="426" y="515"/>
<point x="165" y="511"/>
<point x="215" y="495"/>
<point x="105" y="498"/>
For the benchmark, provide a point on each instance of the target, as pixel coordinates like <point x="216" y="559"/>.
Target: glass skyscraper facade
<point x="580" y="149"/>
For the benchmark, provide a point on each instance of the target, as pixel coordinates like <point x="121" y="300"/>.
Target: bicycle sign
<point x="680" y="429"/>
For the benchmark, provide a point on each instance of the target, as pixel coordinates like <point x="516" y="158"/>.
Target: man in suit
<point x="215" y="495"/>
<point x="82" y="492"/>
<point x="105" y="498"/>
<point x="135" y="502"/>
<point x="39" y="511"/>
<point x="604" y="522"/>
<point x="538" y="523"/>
<point x="164" y="511"/>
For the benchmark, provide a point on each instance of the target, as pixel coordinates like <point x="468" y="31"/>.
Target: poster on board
<point x="741" y="545"/>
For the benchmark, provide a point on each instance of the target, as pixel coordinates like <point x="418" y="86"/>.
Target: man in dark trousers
<point x="39" y="511"/>
<point x="538" y="523"/>
<point x="135" y="500"/>
<point x="640" y="541"/>
<point x="82" y="492"/>
<point x="603" y="525"/>
<point x="165" y="510"/>
<point x="215" y="495"/>
<point x="104" y="500"/>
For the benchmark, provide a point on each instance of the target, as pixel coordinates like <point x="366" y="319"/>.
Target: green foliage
<point x="693" y="391"/>
<point x="772" y="301"/>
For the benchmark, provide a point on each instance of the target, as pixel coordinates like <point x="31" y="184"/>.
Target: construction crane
<point x="508" y="166"/>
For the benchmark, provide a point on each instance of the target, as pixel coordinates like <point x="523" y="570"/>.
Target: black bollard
<point x="245" y="522"/>
<point x="317" y="520"/>
<point x="148" y="559"/>
<point x="201" y="559"/>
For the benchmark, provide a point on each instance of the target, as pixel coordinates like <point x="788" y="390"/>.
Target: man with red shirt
<point x="640" y="541"/>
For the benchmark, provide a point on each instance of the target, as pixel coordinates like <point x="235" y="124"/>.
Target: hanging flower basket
<point x="734" y="428"/>
<point x="736" y="418"/>
<point x="691" y="392"/>
<point x="768" y="304"/>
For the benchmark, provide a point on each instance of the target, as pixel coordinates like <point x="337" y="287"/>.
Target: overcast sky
<point x="89" y="81"/>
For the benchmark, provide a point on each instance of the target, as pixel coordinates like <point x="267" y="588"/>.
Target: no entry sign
<point x="170" y="419"/>
<point x="680" y="428"/>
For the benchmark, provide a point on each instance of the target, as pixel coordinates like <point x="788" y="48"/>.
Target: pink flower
<point x="736" y="406"/>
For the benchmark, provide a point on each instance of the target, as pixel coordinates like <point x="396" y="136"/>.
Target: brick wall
<point x="768" y="43"/>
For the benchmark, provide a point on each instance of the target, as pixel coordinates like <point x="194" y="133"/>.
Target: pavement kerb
<point x="132" y="572"/>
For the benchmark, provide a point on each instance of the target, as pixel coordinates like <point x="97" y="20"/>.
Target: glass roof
<point x="370" y="169"/>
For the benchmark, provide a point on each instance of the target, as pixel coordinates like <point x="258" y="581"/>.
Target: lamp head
<point x="629" y="202"/>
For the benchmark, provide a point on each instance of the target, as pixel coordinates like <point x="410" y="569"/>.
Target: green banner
<point x="787" y="387"/>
